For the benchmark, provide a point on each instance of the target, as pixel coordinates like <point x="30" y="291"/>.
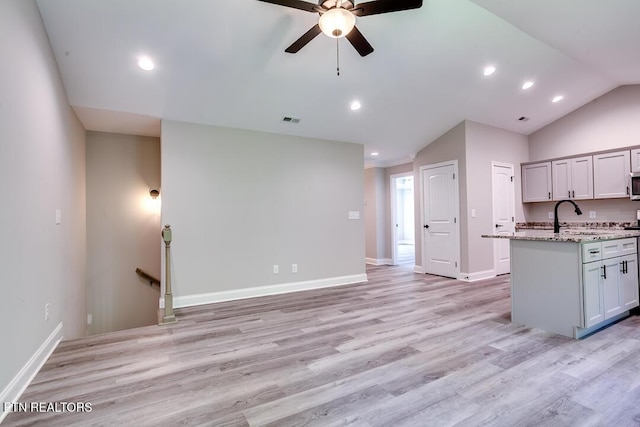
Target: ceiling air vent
<point x="288" y="119"/>
<point x="523" y="119"/>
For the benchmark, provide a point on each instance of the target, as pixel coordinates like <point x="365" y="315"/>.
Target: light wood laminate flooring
<point x="403" y="349"/>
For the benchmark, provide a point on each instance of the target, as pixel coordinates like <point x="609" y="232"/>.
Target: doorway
<point x="502" y="184"/>
<point x="402" y="220"/>
<point x="440" y="213"/>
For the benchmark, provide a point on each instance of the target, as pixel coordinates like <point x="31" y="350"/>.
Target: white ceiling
<point x="222" y="62"/>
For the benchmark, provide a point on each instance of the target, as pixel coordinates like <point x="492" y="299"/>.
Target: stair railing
<point x="152" y="280"/>
<point x="168" y="316"/>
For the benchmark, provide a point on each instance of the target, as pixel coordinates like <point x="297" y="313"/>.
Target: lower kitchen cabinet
<point x="610" y="284"/>
<point x="573" y="287"/>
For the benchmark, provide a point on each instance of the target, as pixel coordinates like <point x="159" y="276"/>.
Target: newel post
<point x="168" y="316"/>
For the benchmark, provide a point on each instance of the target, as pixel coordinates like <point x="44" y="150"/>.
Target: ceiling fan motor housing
<point x="330" y="4"/>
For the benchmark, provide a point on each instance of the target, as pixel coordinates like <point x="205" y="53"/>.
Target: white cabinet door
<point x="635" y="160"/>
<point x="593" y="293"/>
<point x="536" y="182"/>
<point x="611" y="175"/>
<point x="561" y="174"/>
<point x="629" y="282"/>
<point x="611" y="287"/>
<point x="573" y="178"/>
<point x="582" y="178"/>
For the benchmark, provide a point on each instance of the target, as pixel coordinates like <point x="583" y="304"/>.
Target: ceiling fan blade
<point x="296" y="4"/>
<point x="358" y="41"/>
<point x="306" y="38"/>
<point x="385" y="6"/>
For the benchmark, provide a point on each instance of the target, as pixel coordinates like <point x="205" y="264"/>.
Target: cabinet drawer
<point x="615" y="248"/>
<point x="591" y="252"/>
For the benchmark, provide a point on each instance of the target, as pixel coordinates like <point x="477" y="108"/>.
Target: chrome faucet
<point x="556" y="223"/>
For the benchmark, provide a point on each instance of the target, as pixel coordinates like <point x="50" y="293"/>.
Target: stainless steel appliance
<point x="634" y="194"/>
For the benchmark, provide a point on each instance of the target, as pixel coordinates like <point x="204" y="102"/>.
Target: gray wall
<point x="450" y="146"/>
<point x="123" y="230"/>
<point x="609" y="122"/>
<point x="475" y="146"/>
<point x="42" y="170"/>
<point x="374" y="209"/>
<point x="241" y="201"/>
<point x="377" y="187"/>
<point x="486" y="144"/>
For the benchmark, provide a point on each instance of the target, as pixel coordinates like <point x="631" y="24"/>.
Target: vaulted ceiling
<point x="222" y="62"/>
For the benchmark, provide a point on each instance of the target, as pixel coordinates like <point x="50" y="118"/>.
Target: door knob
<point x="426" y="226"/>
<point x="499" y="225"/>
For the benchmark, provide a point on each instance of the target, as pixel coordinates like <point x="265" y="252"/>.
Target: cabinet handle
<point x="594" y="251"/>
<point x="573" y="194"/>
<point x="550" y="193"/>
<point x="626" y="267"/>
<point x="604" y="271"/>
<point x="623" y="267"/>
<point x="569" y="194"/>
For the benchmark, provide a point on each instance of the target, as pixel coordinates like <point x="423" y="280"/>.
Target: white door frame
<point x="394" y="208"/>
<point x="422" y="169"/>
<point x="497" y="242"/>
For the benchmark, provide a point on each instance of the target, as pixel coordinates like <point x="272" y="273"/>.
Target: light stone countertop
<point x="567" y="235"/>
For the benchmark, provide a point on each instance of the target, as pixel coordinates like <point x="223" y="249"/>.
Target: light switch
<point x="58" y="217"/>
<point x="354" y="214"/>
<point x="473" y="213"/>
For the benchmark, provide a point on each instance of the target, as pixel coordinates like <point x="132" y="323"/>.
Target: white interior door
<point x="441" y="241"/>
<point x="503" y="214"/>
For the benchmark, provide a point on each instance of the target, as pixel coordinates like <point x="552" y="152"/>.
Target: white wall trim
<point x="18" y="385"/>
<point x="478" y="275"/>
<point x="418" y="269"/>
<point x="381" y="261"/>
<point x="259" y="291"/>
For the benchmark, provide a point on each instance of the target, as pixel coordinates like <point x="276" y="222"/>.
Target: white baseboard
<point x="478" y="275"/>
<point x="418" y="269"/>
<point x="381" y="261"/>
<point x="18" y="385"/>
<point x="259" y="291"/>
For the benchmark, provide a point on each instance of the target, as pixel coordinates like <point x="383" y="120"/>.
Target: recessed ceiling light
<point x="375" y="153"/>
<point x="557" y="98"/>
<point x="527" y="85"/>
<point x="355" y="105"/>
<point x="489" y="70"/>
<point x="145" y="63"/>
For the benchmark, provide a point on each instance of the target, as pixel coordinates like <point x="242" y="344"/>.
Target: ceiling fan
<point x="338" y="19"/>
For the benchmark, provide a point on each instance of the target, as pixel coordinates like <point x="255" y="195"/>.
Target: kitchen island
<point x="573" y="282"/>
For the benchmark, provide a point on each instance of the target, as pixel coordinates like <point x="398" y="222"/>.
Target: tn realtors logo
<point x="46" y="407"/>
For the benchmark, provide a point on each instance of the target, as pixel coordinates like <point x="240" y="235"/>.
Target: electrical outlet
<point x="276" y="269"/>
<point x="46" y="311"/>
<point x="89" y="319"/>
<point x="550" y="215"/>
<point x="294" y="268"/>
<point x="592" y="214"/>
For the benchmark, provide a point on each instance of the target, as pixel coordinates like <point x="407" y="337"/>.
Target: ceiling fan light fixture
<point x="337" y="22"/>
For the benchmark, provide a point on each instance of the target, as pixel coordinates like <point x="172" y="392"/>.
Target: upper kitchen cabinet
<point x="611" y="174"/>
<point x="573" y="178"/>
<point x="635" y="160"/>
<point x="536" y="182"/>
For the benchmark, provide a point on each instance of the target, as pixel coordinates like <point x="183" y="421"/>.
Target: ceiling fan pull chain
<point x="338" y="56"/>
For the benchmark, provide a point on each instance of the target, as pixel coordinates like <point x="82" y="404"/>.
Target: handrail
<point x="147" y="276"/>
